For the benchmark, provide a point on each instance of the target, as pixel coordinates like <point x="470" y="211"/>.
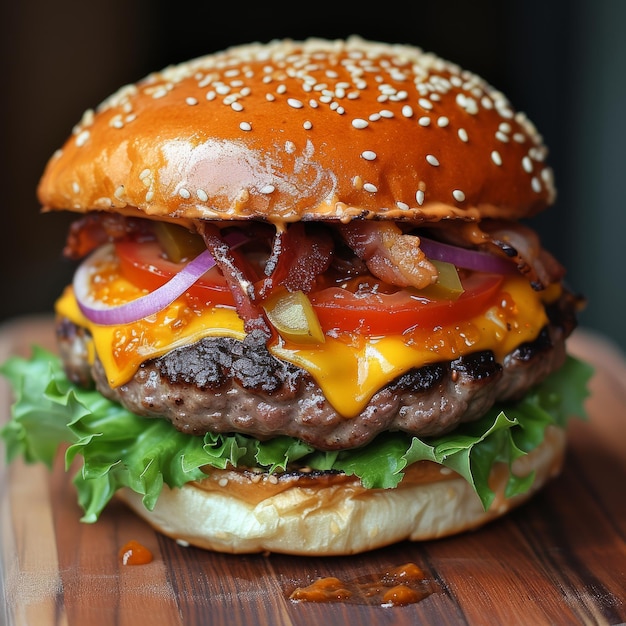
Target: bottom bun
<point x="321" y="514"/>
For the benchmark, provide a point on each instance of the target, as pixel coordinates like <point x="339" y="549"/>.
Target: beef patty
<point x="224" y="385"/>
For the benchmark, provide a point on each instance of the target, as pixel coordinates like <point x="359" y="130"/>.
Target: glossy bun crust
<point x="332" y="514"/>
<point x="304" y="130"/>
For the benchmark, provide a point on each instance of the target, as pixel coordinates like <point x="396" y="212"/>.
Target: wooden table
<point x="559" y="559"/>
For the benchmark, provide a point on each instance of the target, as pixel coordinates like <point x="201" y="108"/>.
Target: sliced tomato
<point x="377" y="312"/>
<point x="372" y="309"/>
<point x="145" y="265"/>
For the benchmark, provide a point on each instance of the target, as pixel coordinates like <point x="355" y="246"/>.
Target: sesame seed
<point x="535" y="183"/>
<point x="519" y="137"/>
<point x="82" y="138"/>
<point x="536" y="154"/>
<point x="103" y="203"/>
<point x="432" y="159"/>
<point x="360" y="123"/>
<point x="424" y="121"/>
<point x="407" y="111"/>
<point x="443" y="121"/>
<point x="374" y="117"/>
<point x="368" y="155"/>
<point x="467" y="103"/>
<point x="75" y="187"/>
<point x="294" y="103"/>
<point x="504" y="111"/>
<point x="149" y="195"/>
<point x="458" y="195"/>
<point x="370" y="187"/>
<point x="266" y="189"/>
<point x="496" y="158"/>
<point x="236" y="106"/>
<point x="527" y="164"/>
<point x="222" y="482"/>
<point x="191" y="101"/>
<point x="500" y="136"/>
<point x="419" y="196"/>
<point x="184" y="193"/>
<point x="462" y="133"/>
<point x="202" y="195"/>
<point x="119" y="192"/>
<point x="307" y="125"/>
<point x="402" y="206"/>
<point x="245" y="126"/>
<point x="425" y="103"/>
<point x="386" y="113"/>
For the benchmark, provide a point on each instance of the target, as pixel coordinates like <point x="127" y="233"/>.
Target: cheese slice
<point x="349" y="369"/>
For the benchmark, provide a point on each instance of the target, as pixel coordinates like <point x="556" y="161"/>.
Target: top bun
<point x="304" y="130"/>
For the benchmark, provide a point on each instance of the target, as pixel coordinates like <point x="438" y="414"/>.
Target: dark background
<point x="562" y="62"/>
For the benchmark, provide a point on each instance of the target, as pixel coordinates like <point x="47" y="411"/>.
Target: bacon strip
<point x="240" y="285"/>
<point x="389" y="254"/>
<point x="95" y="229"/>
<point x="299" y="254"/>
<point x="513" y="240"/>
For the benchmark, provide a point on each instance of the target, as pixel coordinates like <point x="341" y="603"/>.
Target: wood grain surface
<point x="559" y="559"/>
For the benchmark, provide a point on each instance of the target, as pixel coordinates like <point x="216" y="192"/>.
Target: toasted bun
<point x="304" y="130"/>
<point x="332" y="514"/>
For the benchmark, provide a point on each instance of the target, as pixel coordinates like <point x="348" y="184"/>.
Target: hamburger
<point x="308" y="315"/>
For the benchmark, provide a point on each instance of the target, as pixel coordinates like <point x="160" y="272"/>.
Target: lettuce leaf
<point x="121" y="449"/>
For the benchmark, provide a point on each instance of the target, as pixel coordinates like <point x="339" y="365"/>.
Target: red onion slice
<point x="146" y="305"/>
<point x="467" y="259"/>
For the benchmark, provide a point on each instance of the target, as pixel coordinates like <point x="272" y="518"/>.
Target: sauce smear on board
<point x="402" y="585"/>
<point x="133" y="553"/>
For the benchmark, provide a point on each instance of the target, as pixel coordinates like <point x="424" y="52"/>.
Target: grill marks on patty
<point x="211" y="362"/>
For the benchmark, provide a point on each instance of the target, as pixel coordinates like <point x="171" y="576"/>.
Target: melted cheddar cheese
<point x="349" y="368"/>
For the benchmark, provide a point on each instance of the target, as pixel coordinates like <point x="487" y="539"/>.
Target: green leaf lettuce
<point x="120" y="449"/>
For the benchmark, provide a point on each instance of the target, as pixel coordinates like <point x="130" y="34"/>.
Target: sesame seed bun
<point x="304" y="130"/>
<point x="237" y="512"/>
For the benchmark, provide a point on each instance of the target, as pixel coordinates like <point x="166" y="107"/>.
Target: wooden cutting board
<point x="559" y="559"/>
